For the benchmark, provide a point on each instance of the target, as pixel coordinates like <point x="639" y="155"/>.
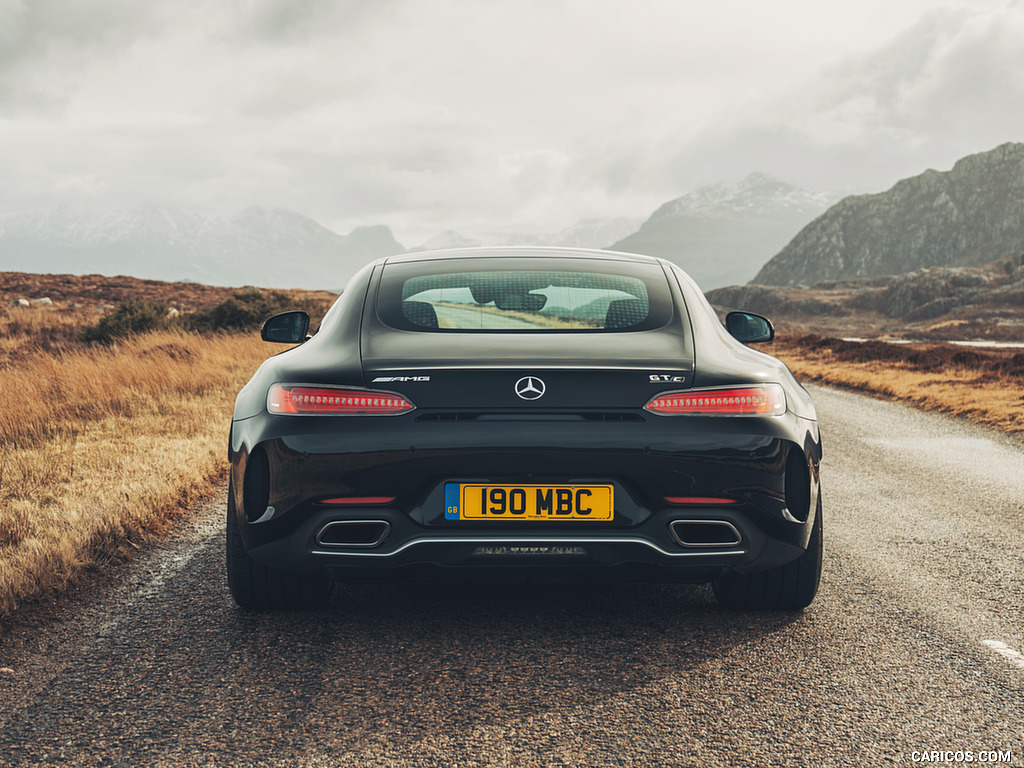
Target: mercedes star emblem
<point x="530" y="387"/>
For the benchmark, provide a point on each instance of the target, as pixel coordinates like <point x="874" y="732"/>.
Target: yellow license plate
<point x="478" y="501"/>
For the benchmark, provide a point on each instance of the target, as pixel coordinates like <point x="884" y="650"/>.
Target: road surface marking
<point x="1015" y="657"/>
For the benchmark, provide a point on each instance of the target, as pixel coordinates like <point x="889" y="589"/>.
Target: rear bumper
<point x="648" y="552"/>
<point x="408" y="551"/>
<point x="740" y="459"/>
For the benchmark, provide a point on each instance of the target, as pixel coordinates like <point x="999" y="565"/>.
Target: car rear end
<point x="527" y="419"/>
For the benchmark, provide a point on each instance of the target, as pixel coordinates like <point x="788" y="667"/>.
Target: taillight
<point x="758" y="400"/>
<point x="334" y="401"/>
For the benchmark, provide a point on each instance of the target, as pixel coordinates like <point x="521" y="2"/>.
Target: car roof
<point x="515" y="251"/>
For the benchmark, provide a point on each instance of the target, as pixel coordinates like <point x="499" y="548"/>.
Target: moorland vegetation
<point x="114" y="417"/>
<point x="985" y="386"/>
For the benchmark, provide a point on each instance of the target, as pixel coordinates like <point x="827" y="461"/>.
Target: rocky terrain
<point x="967" y="216"/>
<point x="34" y="292"/>
<point x="941" y="303"/>
<point x="721" y="234"/>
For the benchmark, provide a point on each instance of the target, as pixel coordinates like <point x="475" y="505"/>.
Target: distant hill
<point x="593" y="233"/>
<point x="76" y="292"/>
<point x="88" y="296"/>
<point x="722" y="234"/>
<point x="970" y="215"/>
<point x="585" y="233"/>
<point x="259" y="246"/>
<point x="982" y="302"/>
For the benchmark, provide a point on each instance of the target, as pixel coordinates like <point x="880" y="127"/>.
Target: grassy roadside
<point x="105" y="446"/>
<point x="981" y="385"/>
<point x="104" y="443"/>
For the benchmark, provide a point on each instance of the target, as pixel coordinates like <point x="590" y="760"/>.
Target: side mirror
<point x="286" y="328"/>
<point x="749" y="328"/>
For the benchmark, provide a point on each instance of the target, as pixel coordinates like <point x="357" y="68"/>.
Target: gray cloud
<point x="949" y="86"/>
<point x="32" y="29"/>
<point x="296" y="21"/>
<point x="43" y="44"/>
<point x="438" y="114"/>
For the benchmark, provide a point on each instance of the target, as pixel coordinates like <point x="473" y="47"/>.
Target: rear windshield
<point x="524" y="295"/>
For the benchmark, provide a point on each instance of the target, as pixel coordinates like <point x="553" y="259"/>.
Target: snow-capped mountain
<point x="757" y="194"/>
<point x="259" y="246"/>
<point x="722" y="234"/>
<point x="585" y="233"/>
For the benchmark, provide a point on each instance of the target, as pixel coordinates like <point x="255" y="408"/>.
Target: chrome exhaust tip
<point x="360" y="534"/>
<point x="705" y="533"/>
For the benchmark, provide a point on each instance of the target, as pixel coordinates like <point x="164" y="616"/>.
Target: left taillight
<point x="304" y="400"/>
<point x="754" y="400"/>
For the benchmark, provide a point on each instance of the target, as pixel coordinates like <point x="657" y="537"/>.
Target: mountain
<point x="945" y="303"/>
<point x="448" y="239"/>
<point x="594" y="232"/>
<point x="722" y="234"/>
<point x="259" y="246"/>
<point x="585" y="233"/>
<point x="970" y="215"/>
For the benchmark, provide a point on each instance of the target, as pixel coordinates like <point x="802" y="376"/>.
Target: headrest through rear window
<point x="624" y="313"/>
<point x="420" y="313"/>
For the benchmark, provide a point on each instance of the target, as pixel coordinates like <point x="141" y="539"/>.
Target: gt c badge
<point x="530" y="388"/>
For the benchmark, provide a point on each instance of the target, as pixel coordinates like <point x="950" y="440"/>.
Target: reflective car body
<point x="525" y="414"/>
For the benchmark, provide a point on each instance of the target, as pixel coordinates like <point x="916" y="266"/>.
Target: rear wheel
<point x="255" y="586"/>
<point x="790" y="587"/>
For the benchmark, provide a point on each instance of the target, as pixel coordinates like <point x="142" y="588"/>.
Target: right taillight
<point x="754" y="400"/>
<point x="302" y="400"/>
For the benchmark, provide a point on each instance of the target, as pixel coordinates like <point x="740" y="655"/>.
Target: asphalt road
<point x="913" y="645"/>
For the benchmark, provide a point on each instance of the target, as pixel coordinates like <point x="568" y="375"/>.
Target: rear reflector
<point x="759" y="400"/>
<point x="334" y="401"/>
<point x="359" y="501"/>
<point x="698" y="500"/>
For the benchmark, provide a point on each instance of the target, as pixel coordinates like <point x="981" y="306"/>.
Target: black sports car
<point x="525" y="414"/>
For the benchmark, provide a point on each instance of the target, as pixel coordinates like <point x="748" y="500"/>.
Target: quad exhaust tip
<point x="360" y="534"/>
<point x="705" y="533"/>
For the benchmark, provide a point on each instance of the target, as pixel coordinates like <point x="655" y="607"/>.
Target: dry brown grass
<point x="103" y="446"/>
<point x="984" y="386"/>
<point x="88" y="291"/>
<point x="30" y="333"/>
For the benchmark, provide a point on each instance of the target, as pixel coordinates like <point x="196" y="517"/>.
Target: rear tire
<point x="257" y="587"/>
<point x="790" y="587"/>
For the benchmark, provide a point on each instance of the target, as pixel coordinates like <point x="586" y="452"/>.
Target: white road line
<point x="1013" y="656"/>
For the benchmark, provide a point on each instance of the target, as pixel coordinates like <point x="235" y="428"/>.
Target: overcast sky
<point x="472" y="115"/>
